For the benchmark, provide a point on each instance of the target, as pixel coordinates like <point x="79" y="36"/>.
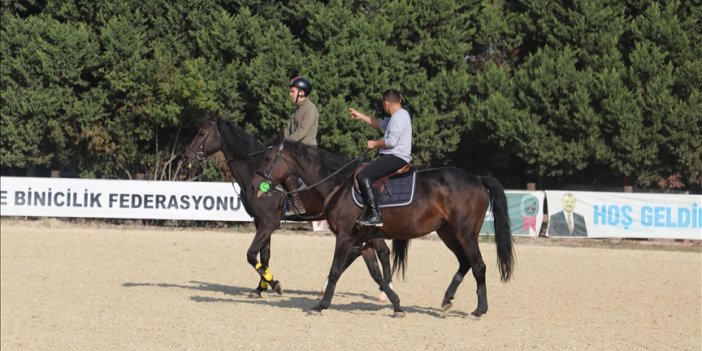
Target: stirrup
<point x="375" y="221"/>
<point x="366" y="223"/>
<point x="292" y="211"/>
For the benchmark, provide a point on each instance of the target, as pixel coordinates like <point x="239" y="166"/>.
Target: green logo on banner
<point x="530" y="206"/>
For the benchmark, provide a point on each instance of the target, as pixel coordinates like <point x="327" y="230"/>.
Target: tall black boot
<point x="371" y="215"/>
<point x="296" y="207"/>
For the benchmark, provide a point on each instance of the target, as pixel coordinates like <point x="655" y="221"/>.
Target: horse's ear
<point x="281" y="136"/>
<point x="275" y="140"/>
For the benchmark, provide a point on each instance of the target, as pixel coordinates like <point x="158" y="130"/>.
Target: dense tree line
<point x="604" y="92"/>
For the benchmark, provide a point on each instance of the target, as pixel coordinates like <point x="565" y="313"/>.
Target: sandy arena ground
<point x="102" y="287"/>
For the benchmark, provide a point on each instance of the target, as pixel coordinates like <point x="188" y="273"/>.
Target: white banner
<point x="571" y="214"/>
<point x="624" y="215"/>
<point x="96" y="198"/>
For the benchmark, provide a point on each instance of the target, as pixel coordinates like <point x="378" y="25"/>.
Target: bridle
<point x="267" y="183"/>
<point x="201" y="157"/>
<point x="200" y="152"/>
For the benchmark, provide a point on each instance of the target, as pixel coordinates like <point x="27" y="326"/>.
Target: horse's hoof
<point x="381" y="297"/>
<point x="277" y="287"/>
<point x="475" y="315"/>
<point x="314" y="313"/>
<point x="255" y="295"/>
<point x="398" y="314"/>
<point x="316" y="310"/>
<point x="445" y="308"/>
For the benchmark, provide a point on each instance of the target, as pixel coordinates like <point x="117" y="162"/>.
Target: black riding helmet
<point x="302" y="84"/>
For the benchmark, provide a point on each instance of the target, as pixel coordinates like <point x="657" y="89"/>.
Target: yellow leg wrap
<point x="263" y="284"/>
<point x="266" y="275"/>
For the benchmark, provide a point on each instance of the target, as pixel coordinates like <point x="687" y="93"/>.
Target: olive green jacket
<point x="304" y="123"/>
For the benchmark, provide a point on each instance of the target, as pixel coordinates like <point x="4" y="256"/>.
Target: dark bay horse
<point x="243" y="155"/>
<point x="447" y="200"/>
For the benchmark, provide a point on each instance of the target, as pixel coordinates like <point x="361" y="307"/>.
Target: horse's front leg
<point x="379" y="248"/>
<point x="261" y="246"/>
<point x="266" y="277"/>
<point x="372" y="264"/>
<point x="344" y="254"/>
<point x="383" y="252"/>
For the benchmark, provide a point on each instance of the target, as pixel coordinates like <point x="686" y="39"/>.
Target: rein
<point x="244" y="157"/>
<point x="331" y="194"/>
<point x="331" y="175"/>
<point x="267" y="176"/>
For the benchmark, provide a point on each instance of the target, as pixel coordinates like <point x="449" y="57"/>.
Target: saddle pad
<point x="398" y="191"/>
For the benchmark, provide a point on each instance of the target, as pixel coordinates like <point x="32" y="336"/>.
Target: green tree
<point x="550" y="86"/>
<point x="663" y="75"/>
<point x="525" y="90"/>
<point x="47" y="66"/>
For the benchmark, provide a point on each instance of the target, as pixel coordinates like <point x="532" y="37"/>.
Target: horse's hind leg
<point x="476" y="262"/>
<point x="448" y="237"/>
<point x="464" y="244"/>
<point x="472" y="252"/>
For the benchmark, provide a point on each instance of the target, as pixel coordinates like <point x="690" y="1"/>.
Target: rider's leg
<point x="383" y="165"/>
<point x="372" y="216"/>
<point x="297" y="206"/>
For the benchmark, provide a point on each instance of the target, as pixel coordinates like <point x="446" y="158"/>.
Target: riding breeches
<point x="385" y="164"/>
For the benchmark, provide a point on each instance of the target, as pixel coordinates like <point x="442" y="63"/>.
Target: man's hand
<point x="372" y="144"/>
<point x="365" y="118"/>
<point x="355" y="114"/>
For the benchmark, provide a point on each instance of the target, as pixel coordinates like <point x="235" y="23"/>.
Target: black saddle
<point x="398" y="190"/>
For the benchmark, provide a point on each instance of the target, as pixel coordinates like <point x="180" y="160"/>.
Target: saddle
<point x="394" y="189"/>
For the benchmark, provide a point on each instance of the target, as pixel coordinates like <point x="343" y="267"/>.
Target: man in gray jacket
<point x="395" y="152"/>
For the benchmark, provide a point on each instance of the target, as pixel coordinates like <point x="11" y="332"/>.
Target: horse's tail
<point x="399" y="256"/>
<point x="503" y="231"/>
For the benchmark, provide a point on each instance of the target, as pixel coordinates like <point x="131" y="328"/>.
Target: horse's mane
<point x="244" y="142"/>
<point x="329" y="162"/>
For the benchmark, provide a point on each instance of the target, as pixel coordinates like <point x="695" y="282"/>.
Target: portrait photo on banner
<point x="565" y="219"/>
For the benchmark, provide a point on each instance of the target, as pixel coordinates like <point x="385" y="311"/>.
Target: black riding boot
<point x="371" y="214"/>
<point x="295" y="207"/>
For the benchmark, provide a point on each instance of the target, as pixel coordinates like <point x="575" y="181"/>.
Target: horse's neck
<point x="241" y="169"/>
<point x="317" y="177"/>
<point x="239" y="159"/>
<point x="239" y="144"/>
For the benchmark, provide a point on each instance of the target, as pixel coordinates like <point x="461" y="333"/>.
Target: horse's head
<point x="273" y="170"/>
<point x="207" y="141"/>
